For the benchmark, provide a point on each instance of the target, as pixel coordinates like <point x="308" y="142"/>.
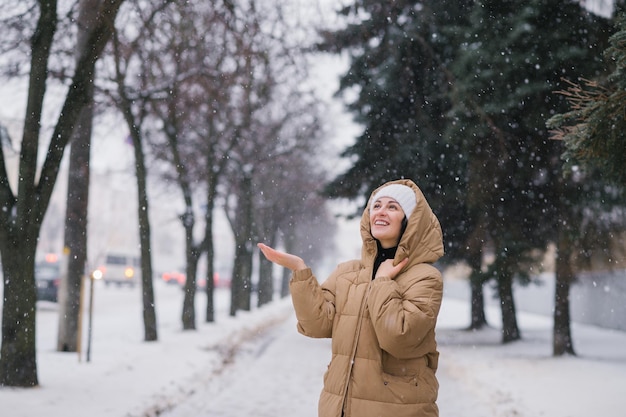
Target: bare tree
<point x="194" y="63"/>
<point x="279" y="116"/>
<point x="132" y="96"/>
<point x="290" y="211"/>
<point x="22" y="213"/>
<point x="75" y="246"/>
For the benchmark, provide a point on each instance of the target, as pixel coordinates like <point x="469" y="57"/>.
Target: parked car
<point x="47" y="278"/>
<point x="174" y="277"/>
<point x="119" y="269"/>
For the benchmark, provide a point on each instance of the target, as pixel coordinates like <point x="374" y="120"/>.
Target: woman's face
<point x="386" y="217"/>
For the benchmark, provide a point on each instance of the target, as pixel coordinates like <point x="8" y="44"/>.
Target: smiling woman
<point x="380" y="310"/>
<point x="391" y="207"/>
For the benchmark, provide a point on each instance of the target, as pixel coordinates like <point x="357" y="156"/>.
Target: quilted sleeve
<point x="314" y="304"/>
<point x="404" y="311"/>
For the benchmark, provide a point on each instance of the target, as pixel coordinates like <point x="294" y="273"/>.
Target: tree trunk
<point x="189" y="301"/>
<point x="75" y="246"/>
<point x="75" y="238"/>
<point x="21" y="223"/>
<point x="210" y="250"/>
<point x="284" y="286"/>
<point x="265" y="288"/>
<point x="18" y="364"/>
<point x="134" y="126"/>
<point x="242" y="267"/>
<point x="562" y="342"/>
<point x="246" y="253"/>
<point x="240" y="286"/>
<point x="191" y="259"/>
<point x="510" y="331"/>
<point x="478" y="318"/>
<point x="149" y="312"/>
<point x="289" y="239"/>
<point x="188" y="220"/>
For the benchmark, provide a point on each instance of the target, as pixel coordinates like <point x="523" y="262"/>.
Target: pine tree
<point x="399" y="56"/>
<point x="594" y="129"/>
<point x="514" y="58"/>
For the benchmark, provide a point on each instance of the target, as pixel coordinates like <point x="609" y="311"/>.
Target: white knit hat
<point x="404" y="195"/>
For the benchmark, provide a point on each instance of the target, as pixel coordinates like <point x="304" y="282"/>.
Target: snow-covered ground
<point x="256" y="364"/>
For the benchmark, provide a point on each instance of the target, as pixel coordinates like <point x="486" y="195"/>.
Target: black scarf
<point x="383" y="255"/>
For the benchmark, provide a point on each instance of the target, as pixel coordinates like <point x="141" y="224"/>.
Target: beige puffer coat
<point x="384" y="354"/>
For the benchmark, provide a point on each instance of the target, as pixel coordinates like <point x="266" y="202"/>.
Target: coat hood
<point x="421" y="242"/>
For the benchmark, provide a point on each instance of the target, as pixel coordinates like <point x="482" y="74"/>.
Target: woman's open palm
<point x="284" y="259"/>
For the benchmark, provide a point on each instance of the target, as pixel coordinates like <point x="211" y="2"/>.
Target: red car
<point x="174" y="278"/>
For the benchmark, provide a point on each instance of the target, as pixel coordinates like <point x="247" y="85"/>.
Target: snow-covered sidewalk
<point x="282" y="374"/>
<point x="480" y="377"/>
<point x="278" y="374"/>
<point x="256" y="364"/>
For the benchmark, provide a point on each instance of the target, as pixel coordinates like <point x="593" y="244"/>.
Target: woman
<point x="380" y="310"/>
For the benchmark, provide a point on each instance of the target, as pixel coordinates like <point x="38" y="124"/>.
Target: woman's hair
<point x="405" y="222"/>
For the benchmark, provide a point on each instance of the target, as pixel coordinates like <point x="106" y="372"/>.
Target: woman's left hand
<point x="386" y="269"/>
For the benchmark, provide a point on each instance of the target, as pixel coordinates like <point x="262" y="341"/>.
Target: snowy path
<point x="280" y="373"/>
<point x="277" y="374"/>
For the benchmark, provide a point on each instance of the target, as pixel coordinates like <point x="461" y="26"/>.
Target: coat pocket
<point x="409" y="381"/>
<point x="405" y="389"/>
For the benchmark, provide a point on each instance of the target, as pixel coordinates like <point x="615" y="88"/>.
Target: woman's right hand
<point x="284" y="259"/>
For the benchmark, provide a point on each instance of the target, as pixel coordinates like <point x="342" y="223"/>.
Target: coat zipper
<point x="354" y="347"/>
